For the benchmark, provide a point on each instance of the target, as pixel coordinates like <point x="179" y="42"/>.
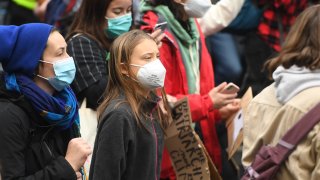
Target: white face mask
<point x="151" y="75"/>
<point x="196" y="8"/>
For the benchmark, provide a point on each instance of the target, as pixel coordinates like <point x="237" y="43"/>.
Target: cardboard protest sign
<point x="188" y="155"/>
<point x="235" y="123"/>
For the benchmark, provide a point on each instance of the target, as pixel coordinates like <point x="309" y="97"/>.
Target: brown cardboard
<point x="187" y="153"/>
<point x="233" y="145"/>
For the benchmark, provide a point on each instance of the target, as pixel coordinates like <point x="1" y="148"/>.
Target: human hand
<point x="230" y="109"/>
<point x="219" y="98"/>
<point x="171" y="100"/>
<point x="41" y="8"/>
<point x="157" y="35"/>
<point x="79" y="175"/>
<point x="77" y="153"/>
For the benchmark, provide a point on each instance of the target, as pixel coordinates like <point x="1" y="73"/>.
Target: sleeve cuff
<point x="207" y="101"/>
<point x="65" y="168"/>
<point x="209" y="105"/>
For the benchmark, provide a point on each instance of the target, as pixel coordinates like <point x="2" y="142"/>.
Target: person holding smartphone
<point x="189" y="69"/>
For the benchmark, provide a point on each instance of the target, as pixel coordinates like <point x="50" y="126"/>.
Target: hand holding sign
<point x="188" y="155"/>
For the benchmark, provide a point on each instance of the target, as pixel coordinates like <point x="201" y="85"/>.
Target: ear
<point x="124" y="69"/>
<point x="39" y="68"/>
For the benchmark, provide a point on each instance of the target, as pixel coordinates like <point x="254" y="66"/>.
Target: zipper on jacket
<point x="43" y="141"/>
<point x="49" y="150"/>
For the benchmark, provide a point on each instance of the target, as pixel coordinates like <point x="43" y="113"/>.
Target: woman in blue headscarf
<point x="39" y="125"/>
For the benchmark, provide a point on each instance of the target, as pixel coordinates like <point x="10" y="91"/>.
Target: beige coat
<point x="266" y="121"/>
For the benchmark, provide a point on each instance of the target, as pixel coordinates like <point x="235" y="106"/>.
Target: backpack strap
<point x="292" y="138"/>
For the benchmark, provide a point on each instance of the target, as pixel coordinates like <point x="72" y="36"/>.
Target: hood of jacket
<point x="289" y="82"/>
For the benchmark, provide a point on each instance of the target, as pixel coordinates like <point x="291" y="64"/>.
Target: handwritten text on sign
<point x="186" y="153"/>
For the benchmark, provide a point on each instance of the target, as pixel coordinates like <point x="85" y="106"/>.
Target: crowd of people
<point x="128" y="61"/>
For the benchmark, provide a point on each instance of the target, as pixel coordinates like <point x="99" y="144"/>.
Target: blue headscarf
<point x="20" y="52"/>
<point x="22" y="47"/>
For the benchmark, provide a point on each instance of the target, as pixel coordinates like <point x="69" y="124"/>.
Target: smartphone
<point x="161" y="26"/>
<point x="230" y="89"/>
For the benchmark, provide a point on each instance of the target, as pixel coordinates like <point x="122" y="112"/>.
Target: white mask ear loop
<point x="135" y="65"/>
<point x="39" y="74"/>
<point x="42" y="77"/>
<point x="128" y="74"/>
<point x="45" y="62"/>
<point x="132" y="78"/>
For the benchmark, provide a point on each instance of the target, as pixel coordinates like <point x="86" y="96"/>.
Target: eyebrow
<point x="121" y="7"/>
<point x="115" y="8"/>
<point x="150" y="53"/>
<point x="62" y="48"/>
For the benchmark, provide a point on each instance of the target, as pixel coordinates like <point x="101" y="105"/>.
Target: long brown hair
<point x="120" y="55"/>
<point x="90" y="20"/>
<point x="302" y="45"/>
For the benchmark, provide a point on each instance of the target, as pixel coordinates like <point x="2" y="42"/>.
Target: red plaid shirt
<point x="288" y="10"/>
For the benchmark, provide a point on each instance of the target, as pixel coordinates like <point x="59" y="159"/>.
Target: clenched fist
<point x="77" y="153"/>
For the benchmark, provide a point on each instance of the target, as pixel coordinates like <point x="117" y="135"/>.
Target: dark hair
<point x="90" y="20"/>
<point x="302" y="45"/>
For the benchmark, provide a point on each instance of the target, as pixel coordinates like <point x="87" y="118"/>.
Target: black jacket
<point x="122" y="149"/>
<point x="92" y="72"/>
<point x="29" y="150"/>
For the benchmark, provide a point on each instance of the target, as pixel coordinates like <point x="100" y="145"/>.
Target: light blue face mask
<point x="65" y="72"/>
<point x="118" y="25"/>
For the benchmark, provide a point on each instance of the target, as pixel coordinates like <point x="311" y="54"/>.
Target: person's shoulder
<point x="82" y="39"/>
<point x="119" y="111"/>
<point x="12" y="115"/>
<point x="306" y="99"/>
<point x="118" y="107"/>
<point x="310" y="93"/>
<point x="79" y="36"/>
<point x="267" y="96"/>
<point x="82" y="44"/>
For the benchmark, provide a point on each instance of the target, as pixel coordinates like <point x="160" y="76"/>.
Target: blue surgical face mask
<point x="64" y="70"/>
<point x="118" y="25"/>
